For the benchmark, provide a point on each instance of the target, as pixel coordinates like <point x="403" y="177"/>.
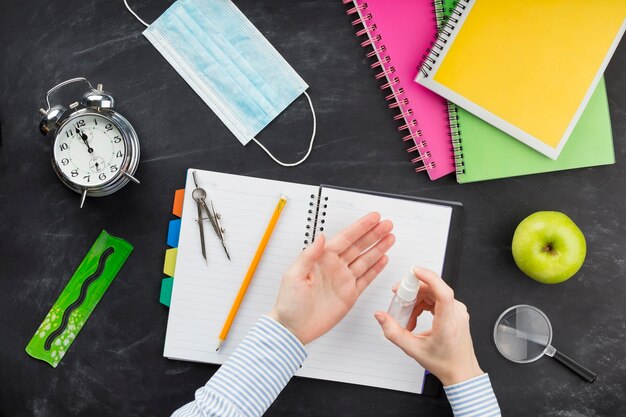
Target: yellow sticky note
<point x="170" y="261"/>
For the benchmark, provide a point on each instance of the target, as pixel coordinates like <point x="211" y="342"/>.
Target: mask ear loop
<point x="134" y="14"/>
<point x="293" y="164"/>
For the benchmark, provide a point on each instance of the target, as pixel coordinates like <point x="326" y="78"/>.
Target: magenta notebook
<point x="398" y="34"/>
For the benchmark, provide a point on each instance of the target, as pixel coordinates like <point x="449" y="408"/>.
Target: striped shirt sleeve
<point x="252" y="377"/>
<point x="473" y="398"/>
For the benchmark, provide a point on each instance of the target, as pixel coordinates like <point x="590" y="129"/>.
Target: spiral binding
<point x="452" y="111"/>
<point x="445" y="31"/>
<point x="316" y="217"/>
<point x="439" y="12"/>
<point x="455" y="134"/>
<point x="398" y="102"/>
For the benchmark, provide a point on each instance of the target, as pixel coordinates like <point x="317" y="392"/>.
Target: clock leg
<point x="82" y="199"/>
<point x="130" y="177"/>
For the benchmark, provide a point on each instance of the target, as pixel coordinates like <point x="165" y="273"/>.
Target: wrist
<point x="276" y="317"/>
<point x="460" y="374"/>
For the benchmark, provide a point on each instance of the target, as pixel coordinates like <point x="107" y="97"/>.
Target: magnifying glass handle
<point x="583" y="372"/>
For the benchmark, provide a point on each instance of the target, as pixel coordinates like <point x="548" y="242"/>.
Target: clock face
<point x="89" y="150"/>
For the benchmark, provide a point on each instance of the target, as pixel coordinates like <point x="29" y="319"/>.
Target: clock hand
<point x="84" y="137"/>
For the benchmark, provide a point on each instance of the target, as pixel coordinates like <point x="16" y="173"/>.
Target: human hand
<point x="446" y="350"/>
<point x="327" y="278"/>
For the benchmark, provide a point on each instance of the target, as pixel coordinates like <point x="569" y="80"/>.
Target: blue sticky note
<point x="166" y="291"/>
<point x="173" y="233"/>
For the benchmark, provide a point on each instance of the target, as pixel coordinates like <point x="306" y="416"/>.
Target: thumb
<point x="309" y="256"/>
<point x="397" y="335"/>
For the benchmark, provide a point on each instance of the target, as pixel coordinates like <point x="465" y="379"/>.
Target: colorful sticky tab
<point x="170" y="262"/>
<point x="179" y="196"/>
<point x="173" y="233"/>
<point x="166" y="291"/>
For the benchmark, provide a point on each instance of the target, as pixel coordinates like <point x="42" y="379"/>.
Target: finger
<point x="366" y="260"/>
<point x="425" y="294"/>
<point x="307" y="258"/>
<point x="400" y="337"/>
<point x="422" y="295"/>
<point x="366" y="279"/>
<point x="345" y="238"/>
<point x="419" y="308"/>
<point x="378" y="232"/>
<point x="441" y="292"/>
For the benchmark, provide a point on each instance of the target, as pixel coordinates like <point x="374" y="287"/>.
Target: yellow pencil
<point x="255" y="262"/>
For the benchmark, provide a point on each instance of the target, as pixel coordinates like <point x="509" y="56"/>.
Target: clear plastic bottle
<point x="403" y="301"/>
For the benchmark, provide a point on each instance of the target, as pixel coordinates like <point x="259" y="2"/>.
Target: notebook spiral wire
<point x="451" y="112"/>
<point x="316" y="218"/>
<point x="455" y="134"/>
<point x="445" y="31"/>
<point x="406" y="113"/>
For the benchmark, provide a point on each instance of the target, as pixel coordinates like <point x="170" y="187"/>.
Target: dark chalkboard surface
<point x="115" y="366"/>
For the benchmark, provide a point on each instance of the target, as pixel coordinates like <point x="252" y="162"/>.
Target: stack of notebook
<point x="524" y="80"/>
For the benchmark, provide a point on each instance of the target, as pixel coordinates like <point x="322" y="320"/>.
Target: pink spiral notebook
<point x="398" y="33"/>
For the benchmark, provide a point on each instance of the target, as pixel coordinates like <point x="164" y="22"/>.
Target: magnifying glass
<point x="523" y="334"/>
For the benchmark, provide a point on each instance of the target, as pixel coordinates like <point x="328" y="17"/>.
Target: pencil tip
<point x="219" y="345"/>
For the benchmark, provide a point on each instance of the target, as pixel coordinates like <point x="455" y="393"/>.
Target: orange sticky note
<point x="179" y="196"/>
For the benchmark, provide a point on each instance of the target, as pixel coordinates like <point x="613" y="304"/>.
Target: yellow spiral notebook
<point x="526" y="67"/>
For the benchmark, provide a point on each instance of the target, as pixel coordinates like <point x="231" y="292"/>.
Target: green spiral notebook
<point x="483" y="152"/>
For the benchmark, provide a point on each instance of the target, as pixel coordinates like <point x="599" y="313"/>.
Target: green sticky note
<point x="166" y="291"/>
<point x="79" y="298"/>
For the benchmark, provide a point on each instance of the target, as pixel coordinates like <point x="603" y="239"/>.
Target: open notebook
<point x="355" y="350"/>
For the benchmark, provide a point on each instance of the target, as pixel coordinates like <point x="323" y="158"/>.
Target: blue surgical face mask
<point x="228" y="63"/>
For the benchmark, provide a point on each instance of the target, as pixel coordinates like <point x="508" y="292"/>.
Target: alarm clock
<point x="95" y="150"/>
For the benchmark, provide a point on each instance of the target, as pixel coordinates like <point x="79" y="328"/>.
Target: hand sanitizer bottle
<point x="403" y="301"/>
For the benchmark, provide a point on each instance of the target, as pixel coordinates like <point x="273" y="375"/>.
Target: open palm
<point x="323" y="284"/>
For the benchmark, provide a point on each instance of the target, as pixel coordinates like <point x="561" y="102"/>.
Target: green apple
<point x="549" y="247"/>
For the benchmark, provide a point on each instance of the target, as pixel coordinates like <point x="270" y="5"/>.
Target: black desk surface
<point x="115" y="367"/>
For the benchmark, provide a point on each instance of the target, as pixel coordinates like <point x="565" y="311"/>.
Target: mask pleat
<point x="208" y="56"/>
<point x="228" y="62"/>
<point x="255" y="55"/>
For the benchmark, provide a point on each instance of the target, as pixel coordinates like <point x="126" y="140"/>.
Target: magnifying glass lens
<point x="522" y="333"/>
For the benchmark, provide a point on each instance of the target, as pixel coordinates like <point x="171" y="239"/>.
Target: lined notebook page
<point x="355" y="351"/>
<point x="204" y="292"/>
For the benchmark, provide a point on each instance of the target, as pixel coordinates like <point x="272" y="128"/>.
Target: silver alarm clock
<point x="95" y="150"/>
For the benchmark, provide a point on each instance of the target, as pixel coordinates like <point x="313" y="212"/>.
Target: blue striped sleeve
<point x="252" y="377"/>
<point x="473" y="398"/>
